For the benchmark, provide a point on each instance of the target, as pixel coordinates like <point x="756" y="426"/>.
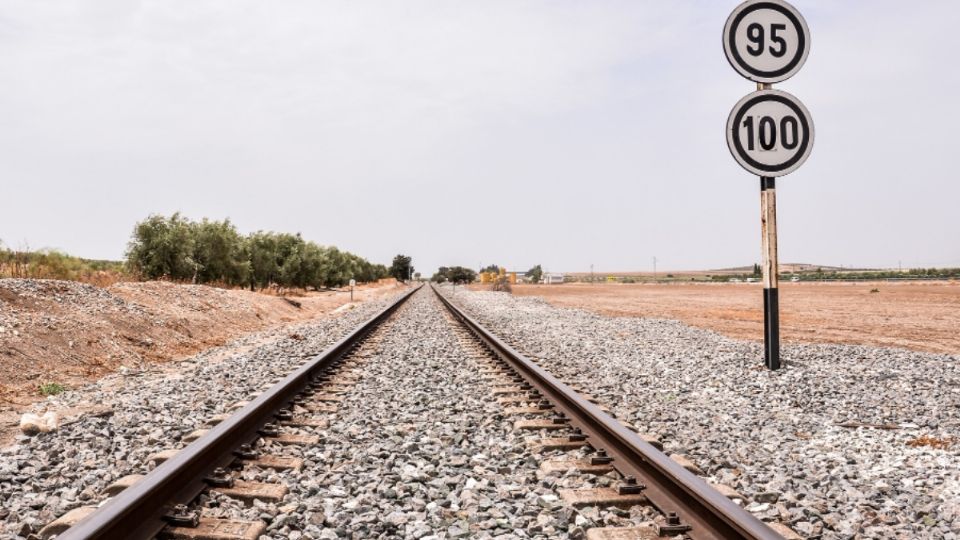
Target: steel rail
<point x="669" y="487"/>
<point x="138" y="511"/>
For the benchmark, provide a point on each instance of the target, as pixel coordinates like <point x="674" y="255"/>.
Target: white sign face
<point x="353" y="282"/>
<point x="770" y="133"/>
<point x="766" y="41"/>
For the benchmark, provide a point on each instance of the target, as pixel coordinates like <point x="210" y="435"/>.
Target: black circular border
<point x="735" y="133"/>
<point x="801" y="40"/>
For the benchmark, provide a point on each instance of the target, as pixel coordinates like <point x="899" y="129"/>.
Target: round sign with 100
<point x="770" y="133"/>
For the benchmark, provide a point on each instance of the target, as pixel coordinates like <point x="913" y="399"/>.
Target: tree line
<point x="209" y="251"/>
<point x="454" y="274"/>
<point x="459" y="274"/>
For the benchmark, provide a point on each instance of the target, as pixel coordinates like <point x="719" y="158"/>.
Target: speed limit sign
<point x="770" y="133"/>
<point x="766" y="41"/>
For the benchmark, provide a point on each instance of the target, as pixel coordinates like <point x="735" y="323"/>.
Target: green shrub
<point x="454" y="274"/>
<point x="51" y="388"/>
<point x="214" y="252"/>
<point x="401" y="268"/>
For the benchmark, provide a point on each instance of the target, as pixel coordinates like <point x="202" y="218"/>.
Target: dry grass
<point x="52" y="264"/>
<point x="501" y="283"/>
<point x="943" y="443"/>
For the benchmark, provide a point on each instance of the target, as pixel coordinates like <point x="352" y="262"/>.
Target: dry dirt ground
<point x="922" y="316"/>
<point x="70" y="333"/>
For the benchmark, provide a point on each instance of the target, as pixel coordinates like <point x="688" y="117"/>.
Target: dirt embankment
<point x="69" y="333"/>
<point x="922" y="316"/>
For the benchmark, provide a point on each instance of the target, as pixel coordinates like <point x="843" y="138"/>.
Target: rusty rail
<point x="138" y="512"/>
<point x="669" y="487"/>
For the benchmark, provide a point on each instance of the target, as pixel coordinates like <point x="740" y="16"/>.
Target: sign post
<point x="353" y="283"/>
<point x="769" y="132"/>
<point x="771" y="294"/>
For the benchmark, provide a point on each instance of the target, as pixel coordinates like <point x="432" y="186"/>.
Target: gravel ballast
<point x="128" y="416"/>
<point x="774" y="436"/>
<point x="420" y="449"/>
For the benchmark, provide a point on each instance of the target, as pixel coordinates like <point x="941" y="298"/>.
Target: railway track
<point x="691" y="507"/>
<point x="157" y="504"/>
<point x="286" y="414"/>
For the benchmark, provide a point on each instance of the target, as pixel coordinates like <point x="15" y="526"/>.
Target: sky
<point x="559" y="133"/>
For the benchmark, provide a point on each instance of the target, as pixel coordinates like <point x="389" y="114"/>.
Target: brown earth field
<point x="922" y="316"/>
<point x="71" y="333"/>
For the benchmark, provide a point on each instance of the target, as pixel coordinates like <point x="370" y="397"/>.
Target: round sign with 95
<point x="770" y="133"/>
<point x="766" y="41"/>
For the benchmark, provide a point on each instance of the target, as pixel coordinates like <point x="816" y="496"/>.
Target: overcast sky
<point x="560" y="133"/>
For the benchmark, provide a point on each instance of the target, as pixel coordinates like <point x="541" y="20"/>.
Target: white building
<point x="552" y="279"/>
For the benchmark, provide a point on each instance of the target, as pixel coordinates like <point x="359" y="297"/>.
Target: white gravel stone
<point x="420" y="449"/>
<point x="773" y="436"/>
<point x="140" y="413"/>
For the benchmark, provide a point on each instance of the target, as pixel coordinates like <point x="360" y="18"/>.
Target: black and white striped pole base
<point x="771" y="300"/>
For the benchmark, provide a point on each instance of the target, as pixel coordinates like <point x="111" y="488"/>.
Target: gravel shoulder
<point x="71" y="333"/>
<point x="123" y="418"/>
<point x="776" y="437"/>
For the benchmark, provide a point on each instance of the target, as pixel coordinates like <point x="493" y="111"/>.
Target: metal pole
<point x="771" y="300"/>
<point x="351" y="293"/>
<point x="771" y="296"/>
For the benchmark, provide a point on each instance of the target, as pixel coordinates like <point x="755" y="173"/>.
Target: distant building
<point x="553" y="279"/>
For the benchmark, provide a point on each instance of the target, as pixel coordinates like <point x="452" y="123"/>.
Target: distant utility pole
<point x="900" y="265"/>
<point x="591" y="274"/>
<point x="654" y="268"/>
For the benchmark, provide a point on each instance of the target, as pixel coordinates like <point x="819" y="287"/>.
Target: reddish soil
<point x="922" y="316"/>
<point x="71" y="333"/>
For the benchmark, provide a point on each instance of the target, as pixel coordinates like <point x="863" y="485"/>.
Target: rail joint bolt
<point x="672" y="526"/>
<point x="219" y="478"/>
<point x="601" y="458"/>
<point x="630" y="486"/>
<point x="181" y="516"/>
